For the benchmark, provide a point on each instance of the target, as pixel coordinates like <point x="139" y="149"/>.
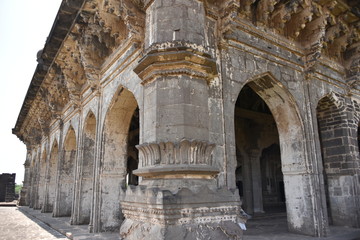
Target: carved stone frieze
<point x="184" y="152"/>
<point x="186" y="159"/>
<point x="322" y="28"/>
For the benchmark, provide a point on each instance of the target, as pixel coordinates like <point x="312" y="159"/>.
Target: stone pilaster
<point x="56" y="208"/>
<point x="25" y="193"/>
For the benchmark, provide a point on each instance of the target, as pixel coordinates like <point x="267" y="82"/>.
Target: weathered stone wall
<point x="180" y="66"/>
<point x="338" y="126"/>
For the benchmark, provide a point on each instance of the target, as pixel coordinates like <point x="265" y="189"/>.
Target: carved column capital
<point x="185" y="159"/>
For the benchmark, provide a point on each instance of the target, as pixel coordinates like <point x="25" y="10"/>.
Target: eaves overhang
<point x="65" y="18"/>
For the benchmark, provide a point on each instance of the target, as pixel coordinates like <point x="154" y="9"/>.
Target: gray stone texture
<point x="164" y="119"/>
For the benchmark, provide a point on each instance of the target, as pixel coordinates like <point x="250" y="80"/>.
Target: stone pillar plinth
<point x="178" y="196"/>
<point x="188" y="213"/>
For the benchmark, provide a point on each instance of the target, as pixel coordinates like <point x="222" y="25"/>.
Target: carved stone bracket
<point x="186" y="159"/>
<point x="352" y="64"/>
<point x="176" y="58"/>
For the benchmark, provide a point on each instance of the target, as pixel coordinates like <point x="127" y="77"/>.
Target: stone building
<point x="166" y="118"/>
<point x="7" y="187"/>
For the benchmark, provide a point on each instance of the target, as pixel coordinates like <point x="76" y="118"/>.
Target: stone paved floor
<point x="15" y="225"/>
<point x="25" y="223"/>
<point x="62" y="225"/>
<point x="275" y="228"/>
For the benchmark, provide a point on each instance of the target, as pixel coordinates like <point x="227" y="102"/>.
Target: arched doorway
<point x="337" y="133"/>
<point x="87" y="169"/>
<point x="51" y="179"/>
<point x="66" y="176"/>
<point x="302" y="202"/>
<point x="34" y="179"/>
<point x="132" y="151"/>
<point x="259" y="176"/>
<point x="42" y="185"/>
<point x="116" y="144"/>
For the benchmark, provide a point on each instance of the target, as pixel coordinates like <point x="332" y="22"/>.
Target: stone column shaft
<point x="178" y="194"/>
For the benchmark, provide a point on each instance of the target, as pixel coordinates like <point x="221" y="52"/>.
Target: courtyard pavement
<point x="27" y="224"/>
<point x="275" y="228"/>
<point x="14" y="225"/>
<point x="24" y="223"/>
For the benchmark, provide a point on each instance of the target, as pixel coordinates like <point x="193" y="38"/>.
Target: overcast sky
<point x="24" y="27"/>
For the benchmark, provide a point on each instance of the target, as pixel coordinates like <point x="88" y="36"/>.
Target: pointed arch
<point x="299" y="189"/>
<point x="87" y="168"/>
<point x="66" y="173"/>
<point x="338" y="133"/>
<point x="51" y="179"/>
<point x="42" y="177"/>
<point x="114" y="158"/>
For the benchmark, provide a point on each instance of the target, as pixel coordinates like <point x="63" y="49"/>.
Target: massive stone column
<point x="178" y="197"/>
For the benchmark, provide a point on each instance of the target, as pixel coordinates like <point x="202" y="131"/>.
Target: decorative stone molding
<point x="184" y="152"/>
<point x="188" y="208"/>
<point x="176" y="58"/>
<point x="186" y="159"/>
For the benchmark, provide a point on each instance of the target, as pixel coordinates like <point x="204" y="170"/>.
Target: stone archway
<point x="257" y="141"/>
<point x="115" y="156"/>
<point x="87" y="169"/>
<point x="41" y="183"/>
<point x="51" y="179"/>
<point x="32" y="179"/>
<point x="338" y="134"/>
<point x="297" y="180"/>
<point x="66" y="175"/>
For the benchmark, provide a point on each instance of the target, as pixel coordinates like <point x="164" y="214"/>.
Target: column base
<point x="135" y="230"/>
<point x="198" y="212"/>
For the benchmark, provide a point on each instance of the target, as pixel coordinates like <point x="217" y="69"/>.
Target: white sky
<point x="24" y="27"/>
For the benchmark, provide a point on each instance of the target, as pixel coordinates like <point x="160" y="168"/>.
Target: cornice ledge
<point x="176" y="58"/>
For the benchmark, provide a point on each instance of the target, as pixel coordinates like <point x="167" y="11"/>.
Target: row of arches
<point x="79" y="181"/>
<point x="268" y="134"/>
<point x="273" y="167"/>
